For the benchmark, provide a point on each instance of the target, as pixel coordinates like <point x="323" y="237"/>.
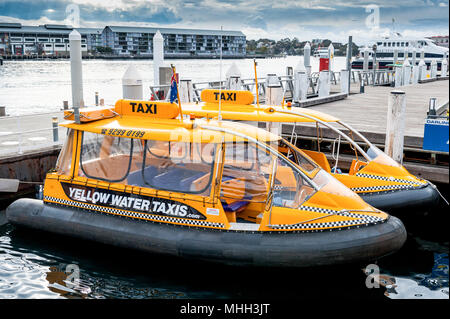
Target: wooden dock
<point x="367" y="112"/>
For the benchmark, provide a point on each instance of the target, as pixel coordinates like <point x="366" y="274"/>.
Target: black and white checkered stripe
<point x="361" y="219"/>
<point x="152" y="217"/>
<point x="390" y="179"/>
<point x="382" y="188"/>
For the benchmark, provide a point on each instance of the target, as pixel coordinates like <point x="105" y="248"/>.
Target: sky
<point x="306" y="20"/>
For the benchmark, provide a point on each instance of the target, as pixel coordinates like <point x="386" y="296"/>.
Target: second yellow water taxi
<point x="365" y="169"/>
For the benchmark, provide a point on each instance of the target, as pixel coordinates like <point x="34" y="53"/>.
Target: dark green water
<point x="32" y="265"/>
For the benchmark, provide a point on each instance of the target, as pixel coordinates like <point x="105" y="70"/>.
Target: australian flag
<point x="173" y="88"/>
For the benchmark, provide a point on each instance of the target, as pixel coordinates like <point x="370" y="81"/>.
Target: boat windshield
<point x="246" y="180"/>
<point x="380" y="157"/>
<point x="295" y="155"/>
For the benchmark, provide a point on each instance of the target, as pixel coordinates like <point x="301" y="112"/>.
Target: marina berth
<point x="377" y="178"/>
<point x="141" y="176"/>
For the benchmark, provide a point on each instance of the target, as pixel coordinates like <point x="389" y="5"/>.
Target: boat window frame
<point x="68" y="149"/>
<point x="100" y="178"/>
<point x="211" y="173"/>
<point x="235" y="167"/>
<point x="276" y="153"/>
<point x="326" y="124"/>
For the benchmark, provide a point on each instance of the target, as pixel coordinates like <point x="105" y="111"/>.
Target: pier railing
<point x="20" y="134"/>
<point x="286" y="82"/>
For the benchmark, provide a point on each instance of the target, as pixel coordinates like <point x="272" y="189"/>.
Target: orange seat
<point x="319" y="158"/>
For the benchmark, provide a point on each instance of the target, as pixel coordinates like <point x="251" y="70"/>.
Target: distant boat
<point x="320" y="52"/>
<point x="387" y="45"/>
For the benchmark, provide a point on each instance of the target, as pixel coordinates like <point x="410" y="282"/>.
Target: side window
<point x="246" y="172"/>
<point x="185" y="167"/>
<point x="64" y="162"/>
<point x="290" y="188"/>
<point x="296" y="156"/>
<point x="105" y="157"/>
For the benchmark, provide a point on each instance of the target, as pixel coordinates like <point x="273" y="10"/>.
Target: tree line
<point x="295" y="47"/>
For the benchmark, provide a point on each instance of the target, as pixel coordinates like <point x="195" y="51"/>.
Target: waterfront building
<point x="47" y="39"/>
<point x="53" y="40"/>
<point x="177" y="42"/>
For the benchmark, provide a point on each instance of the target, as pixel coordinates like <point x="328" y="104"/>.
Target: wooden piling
<point x="395" y="128"/>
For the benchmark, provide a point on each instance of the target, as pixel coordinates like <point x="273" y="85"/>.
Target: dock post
<point x="406" y="71"/>
<point x="76" y="72"/>
<point x="422" y="70"/>
<point x="132" y="84"/>
<point x="366" y="59"/>
<point x="395" y="56"/>
<point x="331" y="58"/>
<point x="2" y="111"/>
<point x="274" y="92"/>
<point x="395" y="125"/>
<point x="96" y="98"/>
<point x="349" y="60"/>
<point x="433" y="69"/>
<point x="345" y="88"/>
<point x="55" y="129"/>
<point x="158" y="56"/>
<point x="307" y="58"/>
<point x="324" y="83"/>
<point x="186" y="91"/>
<point x="414" y="57"/>
<point x="233" y="76"/>
<point x="415" y="74"/>
<point x="444" y="66"/>
<point x="301" y="86"/>
<point x="398" y="76"/>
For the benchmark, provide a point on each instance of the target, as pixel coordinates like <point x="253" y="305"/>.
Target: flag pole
<point x="256" y="84"/>
<point x="178" y="91"/>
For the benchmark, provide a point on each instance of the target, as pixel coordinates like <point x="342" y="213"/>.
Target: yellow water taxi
<point x="138" y="175"/>
<point x="365" y="169"/>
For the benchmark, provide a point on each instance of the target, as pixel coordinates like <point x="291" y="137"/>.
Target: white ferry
<point x="386" y="46"/>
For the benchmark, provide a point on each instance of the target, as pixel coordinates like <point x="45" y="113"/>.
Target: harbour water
<point x="34" y="264"/>
<point x="42" y="86"/>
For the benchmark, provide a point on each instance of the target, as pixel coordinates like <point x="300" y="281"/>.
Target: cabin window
<point x="105" y="157"/>
<point x="185" y="167"/>
<point x="246" y="170"/>
<point x="294" y="155"/>
<point x="290" y="188"/>
<point x="64" y="162"/>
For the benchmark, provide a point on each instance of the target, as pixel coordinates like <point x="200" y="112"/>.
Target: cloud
<point x="334" y="19"/>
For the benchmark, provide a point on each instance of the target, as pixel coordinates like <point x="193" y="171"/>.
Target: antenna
<point x="220" y="79"/>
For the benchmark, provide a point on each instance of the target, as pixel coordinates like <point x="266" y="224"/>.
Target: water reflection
<point x="433" y="285"/>
<point x="34" y="264"/>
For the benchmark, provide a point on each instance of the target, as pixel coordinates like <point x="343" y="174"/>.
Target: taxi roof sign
<point x="227" y="96"/>
<point x="155" y="109"/>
